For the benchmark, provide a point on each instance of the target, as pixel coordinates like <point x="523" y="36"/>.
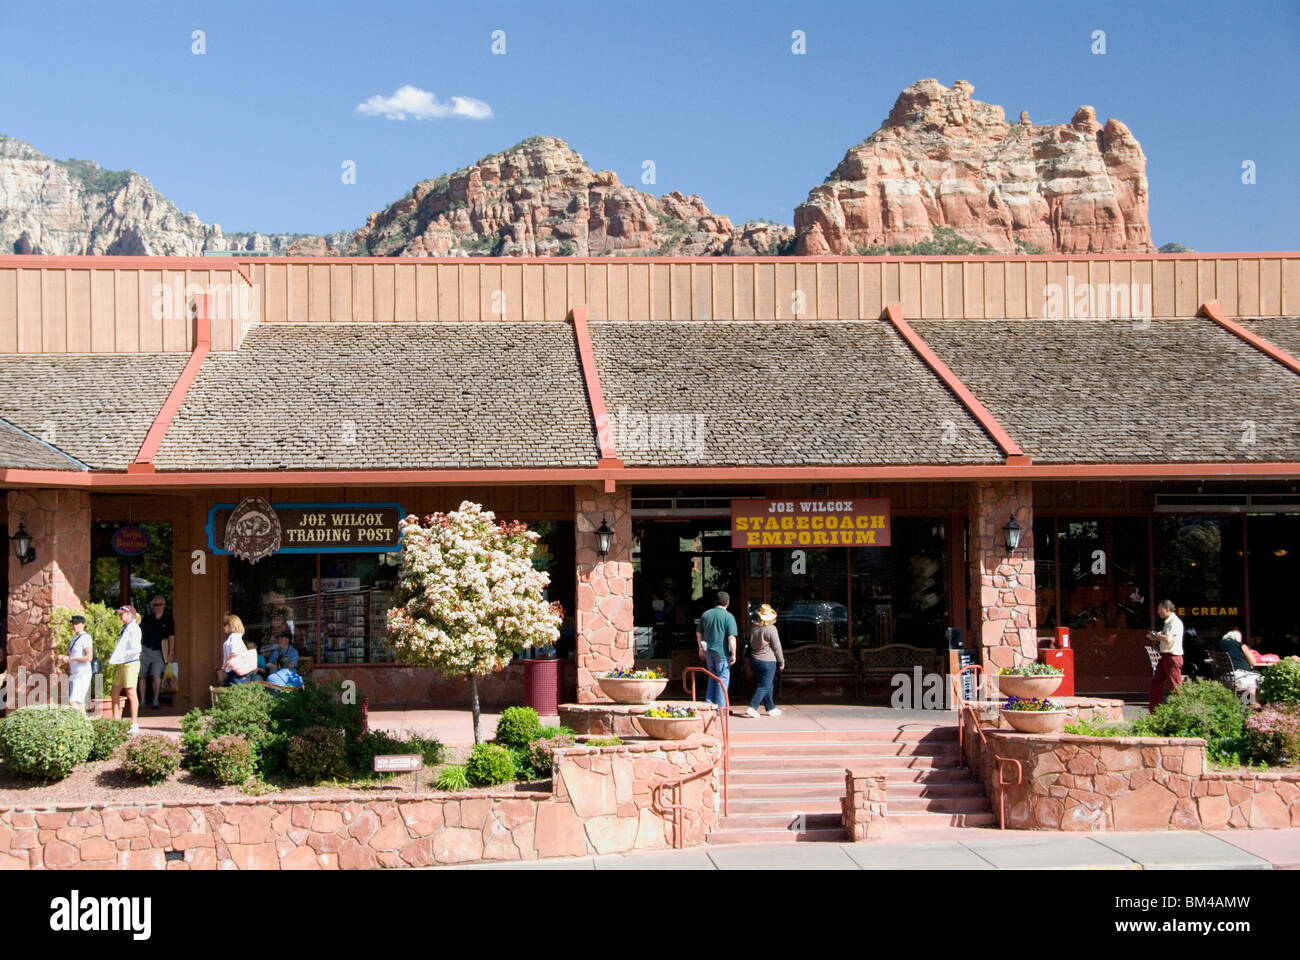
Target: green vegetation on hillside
<point x="94" y="177"/>
<point x="946" y="242"/>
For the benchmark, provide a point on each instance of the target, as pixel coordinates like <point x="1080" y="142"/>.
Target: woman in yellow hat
<point x="765" y="659"/>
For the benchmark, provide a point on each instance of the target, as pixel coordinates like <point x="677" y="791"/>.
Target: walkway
<point x="970" y="849"/>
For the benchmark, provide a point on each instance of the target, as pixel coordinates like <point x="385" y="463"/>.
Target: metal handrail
<point x="725" y="726"/>
<point x="964" y="707"/>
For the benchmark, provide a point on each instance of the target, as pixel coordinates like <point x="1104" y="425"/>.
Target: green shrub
<point x="1098" y="727"/>
<point x="452" y="778"/>
<point x="429" y="748"/>
<point x="231" y="759"/>
<point x="1273" y="735"/>
<point x="557" y="732"/>
<point x="1200" y="708"/>
<point x="602" y="742"/>
<point x="539" y="754"/>
<point x="518" y="727"/>
<point x="151" y="758"/>
<point x="315" y="705"/>
<point x="46" y="742"/>
<point x="490" y="764"/>
<point x="243" y="710"/>
<point x="1281" y="683"/>
<point x="318" y="753"/>
<point x="109" y="735"/>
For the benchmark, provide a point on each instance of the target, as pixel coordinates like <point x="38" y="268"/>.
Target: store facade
<point x="859" y="468"/>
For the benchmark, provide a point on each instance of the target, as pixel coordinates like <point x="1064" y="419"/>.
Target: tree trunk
<point x="473" y="700"/>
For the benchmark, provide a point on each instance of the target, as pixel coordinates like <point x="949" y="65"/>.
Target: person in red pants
<point x="1169" y="671"/>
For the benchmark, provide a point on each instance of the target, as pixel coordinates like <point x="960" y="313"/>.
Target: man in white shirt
<point x="1169" y="671"/>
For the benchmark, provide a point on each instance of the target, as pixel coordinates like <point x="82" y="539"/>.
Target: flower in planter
<point x="1031" y="704"/>
<point x="623" y="673"/>
<point x="1031" y="670"/>
<point x="671" y="713"/>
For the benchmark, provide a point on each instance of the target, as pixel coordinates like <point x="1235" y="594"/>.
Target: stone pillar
<point x="863" y="806"/>
<point x="1003" y="596"/>
<point x="604" y="614"/>
<point x="59" y="524"/>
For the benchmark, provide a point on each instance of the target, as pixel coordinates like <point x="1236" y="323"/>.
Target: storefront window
<point x="1274" y="552"/>
<point x="899" y="593"/>
<point x="679" y="567"/>
<point x="808" y="590"/>
<point x="1200" y="565"/>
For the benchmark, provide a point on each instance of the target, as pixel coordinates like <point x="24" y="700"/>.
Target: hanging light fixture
<point x="22" y="544"/>
<point x="1011" y="533"/>
<point x="604" y="538"/>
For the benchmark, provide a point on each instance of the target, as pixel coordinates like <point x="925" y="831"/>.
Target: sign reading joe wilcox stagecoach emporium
<point x="810" y="523"/>
<point x="253" y="528"/>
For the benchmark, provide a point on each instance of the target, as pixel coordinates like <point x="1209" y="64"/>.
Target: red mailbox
<point x="1063" y="658"/>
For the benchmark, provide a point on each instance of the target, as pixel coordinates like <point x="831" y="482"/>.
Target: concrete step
<point x="746" y="806"/>
<point x="817" y="776"/>
<point x="829" y="835"/>
<point x="741" y="734"/>
<point x="894" y="790"/>
<point x="862" y="749"/>
<point x="923" y="821"/>
<point x="793" y="765"/>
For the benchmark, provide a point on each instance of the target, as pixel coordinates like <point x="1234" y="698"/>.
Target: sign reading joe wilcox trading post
<point x="810" y="523"/>
<point x="253" y="528"/>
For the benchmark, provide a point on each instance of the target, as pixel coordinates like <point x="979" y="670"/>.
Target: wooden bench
<point x="895" y="658"/>
<point x="814" y="661"/>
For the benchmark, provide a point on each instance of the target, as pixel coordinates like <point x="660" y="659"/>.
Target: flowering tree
<point x="468" y="596"/>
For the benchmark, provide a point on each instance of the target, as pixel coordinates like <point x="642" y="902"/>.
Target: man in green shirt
<point x="717" y="638"/>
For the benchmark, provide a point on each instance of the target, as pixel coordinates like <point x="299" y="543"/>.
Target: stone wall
<point x="1130" y="783"/>
<point x="1003" y="606"/>
<point x="59" y="524"/>
<point x="604" y="615"/>
<point x="603" y="803"/>
<point x="862" y="808"/>
<point x="1079" y="708"/>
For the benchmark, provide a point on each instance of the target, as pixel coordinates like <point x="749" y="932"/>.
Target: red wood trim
<point x="667" y="475"/>
<point x="202" y="344"/>
<point x="894" y="312"/>
<point x="1215" y="313"/>
<point x="108" y="262"/>
<point x="595" y="395"/>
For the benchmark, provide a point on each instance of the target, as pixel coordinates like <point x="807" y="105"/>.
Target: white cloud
<point x="410" y="102"/>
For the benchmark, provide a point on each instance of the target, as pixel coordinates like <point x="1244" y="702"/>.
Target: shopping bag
<point x="170" y="679"/>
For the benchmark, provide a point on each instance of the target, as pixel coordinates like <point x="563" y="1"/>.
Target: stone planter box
<point x="1028" y="687"/>
<point x="669" y="728"/>
<point x="1036" y="721"/>
<point x="629" y="690"/>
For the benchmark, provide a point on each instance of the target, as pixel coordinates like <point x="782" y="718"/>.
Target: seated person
<point x="241" y="667"/>
<point x="1260" y="657"/>
<point x="1243" y="659"/>
<point x="284" y="648"/>
<point x="285" y="674"/>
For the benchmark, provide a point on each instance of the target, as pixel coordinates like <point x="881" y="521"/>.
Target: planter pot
<point x="669" y="728"/>
<point x="1029" y="688"/>
<point x="1036" y="721"/>
<point x="625" y="690"/>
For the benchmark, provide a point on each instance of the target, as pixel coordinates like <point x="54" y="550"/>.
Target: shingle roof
<point x="1089" y="391"/>
<point x="386" y="397"/>
<point x="20" y="449"/>
<point x="95" y="408"/>
<point x="1282" y="332"/>
<point x="778" y="393"/>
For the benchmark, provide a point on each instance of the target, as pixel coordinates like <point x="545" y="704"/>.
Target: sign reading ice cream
<point x="239" y="529"/>
<point x="810" y="523"/>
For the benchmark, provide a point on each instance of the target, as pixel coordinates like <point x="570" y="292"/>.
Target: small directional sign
<point x="399" y="763"/>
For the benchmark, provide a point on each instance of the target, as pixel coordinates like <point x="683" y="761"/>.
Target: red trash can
<point x="542" y="686"/>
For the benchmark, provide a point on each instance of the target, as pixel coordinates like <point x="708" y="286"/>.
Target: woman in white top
<point x="236" y="664"/>
<point x="126" y="655"/>
<point x="81" y="651"/>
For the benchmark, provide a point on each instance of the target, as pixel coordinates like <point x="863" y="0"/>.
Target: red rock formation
<point x="942" y="159"/>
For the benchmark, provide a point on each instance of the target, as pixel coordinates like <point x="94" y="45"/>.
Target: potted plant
<point x="1034" y="714"/>
<point x="670" y="723"/>
<point x="632" y="686"/>
<point x="1030" y="680"/>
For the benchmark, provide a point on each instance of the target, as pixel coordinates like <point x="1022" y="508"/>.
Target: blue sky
<point x="253" y="133"/>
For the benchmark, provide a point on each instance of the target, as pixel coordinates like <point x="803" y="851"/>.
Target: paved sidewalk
<point x="973" y="849"/>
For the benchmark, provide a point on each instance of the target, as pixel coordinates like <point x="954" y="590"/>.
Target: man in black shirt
<point x="159" y="635"/>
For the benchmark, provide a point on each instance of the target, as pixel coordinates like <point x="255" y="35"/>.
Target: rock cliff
<point x="944" y="160"/>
